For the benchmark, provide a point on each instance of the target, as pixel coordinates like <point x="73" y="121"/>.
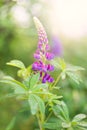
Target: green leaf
<point x="11" y="124"/>
<point x="75" y="77"/>
<point x="80" y="128"/>
<point x="83" y="124"/>
<point x="13" y="82"/>
<point x="26" y="82"/>
<point x="79" y="117"/>
<point x="39" y="87"/>
<point x="74" y="68"/>
<point x="19" y="90"/>
<point x="33" y="104"/>
<point x="16" y="63"/>
<point x="61" y="111"/>
<point x="34" y="79"/>
<point x="36" y="103"/>
<point x="53" y="126"/>
<point x="66" y="124"/>
<point x="41" y="104"/>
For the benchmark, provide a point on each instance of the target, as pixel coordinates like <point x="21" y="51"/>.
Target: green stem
<point x="58" y="78"/>
<point x="48" y="116"/>
<point x="54" y="84"/>
<point x="39" y="122"/>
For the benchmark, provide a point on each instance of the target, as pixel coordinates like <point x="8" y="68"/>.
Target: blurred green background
<point x="18" y="40"/>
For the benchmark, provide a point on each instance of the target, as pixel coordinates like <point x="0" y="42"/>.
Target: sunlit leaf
<point x="13" y="82"/>
<point x="16" y="63"/>
<point x="79" y="117"/>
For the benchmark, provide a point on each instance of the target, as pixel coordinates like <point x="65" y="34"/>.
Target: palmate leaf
<point x="66" y="70"/>
<point x="16" y="63"/>
<point x="78" y="122"/>
<point x="36" y="104"/>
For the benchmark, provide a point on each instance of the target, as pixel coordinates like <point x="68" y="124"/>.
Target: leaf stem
<point x="54" y="84"/>
<point x="57" y="80"/>
<point x="39" y="122"/>
<point x="48" y="116"/>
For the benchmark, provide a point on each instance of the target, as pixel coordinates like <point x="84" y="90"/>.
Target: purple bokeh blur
<point x="56" y="47"/>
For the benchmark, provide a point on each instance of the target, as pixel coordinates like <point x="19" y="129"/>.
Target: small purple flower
<point x="50" y="67"/>
<point x="47" y="78"/>
<point x="37" y="54"/>
<point x="39" y="66"/>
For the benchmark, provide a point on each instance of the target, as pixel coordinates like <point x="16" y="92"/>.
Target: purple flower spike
<point x="41" y="31"/>
<point x="42" y="55"/>
<point x="49" y="56"/>
<point x="56" y="46"/>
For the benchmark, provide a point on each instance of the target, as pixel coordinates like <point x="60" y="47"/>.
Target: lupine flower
<point x="47" y="78"/>
<point x="56" y="46"/>
<point x="43" y="54"/>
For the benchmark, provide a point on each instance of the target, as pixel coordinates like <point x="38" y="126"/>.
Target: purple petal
<point x="47" y="78"/>
<point x="50" y="67"/>
<point x="36" y="66"/>
<point x="37" y="54"/>
<point x="47" y="47"/>
<point x="49" y="56"/>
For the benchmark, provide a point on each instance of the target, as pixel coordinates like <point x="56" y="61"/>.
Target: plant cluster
<point x="37" y="85"/>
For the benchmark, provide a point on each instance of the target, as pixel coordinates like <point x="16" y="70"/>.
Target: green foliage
<point x="66" y="70"/>
<point x="61" y="112"/>
<point x="34" y="80"/>
<point x="41" y="96"/>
